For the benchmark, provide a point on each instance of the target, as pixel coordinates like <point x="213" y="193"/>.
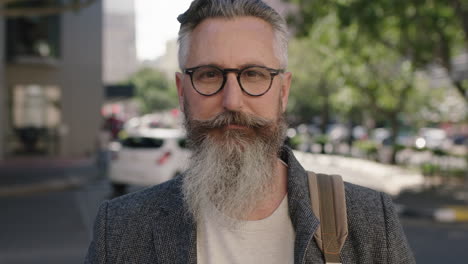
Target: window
<point x="142" y="142"/>
<point x="36" y="117"/>
<point x="32" y="37"/>
<point x="36" y="106"/>
<point x="183" y="143"/>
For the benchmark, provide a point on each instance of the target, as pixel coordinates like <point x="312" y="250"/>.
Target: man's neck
<point x="270" y="203"/>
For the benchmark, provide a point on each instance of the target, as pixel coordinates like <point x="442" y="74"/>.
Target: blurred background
<point x="89" y="111"/>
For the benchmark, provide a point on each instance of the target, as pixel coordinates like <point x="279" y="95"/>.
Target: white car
<point x="432" y="138"/>
<point x="147" y="157"/>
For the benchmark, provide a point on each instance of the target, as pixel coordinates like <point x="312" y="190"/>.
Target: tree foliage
<point x="153" y="90"/>
<point x="422" y="31"/>
<point x="331" y="67"/>
<point x="338" y="73"/>
<point x="313" y="61"/>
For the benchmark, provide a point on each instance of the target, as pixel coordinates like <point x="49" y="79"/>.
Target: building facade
<point x="51" y="86"/>
<point x="2" y="90"/>
<point x="119" y="50"/>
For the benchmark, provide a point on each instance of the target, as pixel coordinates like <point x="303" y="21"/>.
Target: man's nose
<point x="232" y="93"/>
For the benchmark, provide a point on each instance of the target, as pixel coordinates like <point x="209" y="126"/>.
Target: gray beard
<point x="231" y="171"/>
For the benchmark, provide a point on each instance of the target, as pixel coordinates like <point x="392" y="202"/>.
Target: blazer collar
<point x="300" y="209"/>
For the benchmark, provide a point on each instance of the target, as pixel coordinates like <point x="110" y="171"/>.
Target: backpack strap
<point x="329" y="205"/>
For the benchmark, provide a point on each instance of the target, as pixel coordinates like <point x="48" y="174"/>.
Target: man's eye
<point x="210" y="74"/>
<point x="207" y="75"/>
<point x="254" y="74"/>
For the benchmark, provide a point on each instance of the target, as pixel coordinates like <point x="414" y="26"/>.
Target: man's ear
<point x="179" y="77"/>
<point x="285" y="87"/>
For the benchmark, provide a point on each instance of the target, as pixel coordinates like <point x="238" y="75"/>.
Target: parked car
<point x="147" y="157"/>
<point x="459" y="139"/>
<point x="432" y="138"/>
<point x="338" y="133"/>
<point x="382" y="137"/>
<point x="379" y="135"/>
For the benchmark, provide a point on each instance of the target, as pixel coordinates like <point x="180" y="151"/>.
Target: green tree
<point x="422" y="31"/>
<point x="337" y="72"/>
<point x="385" y="82"/>
<point x="153" y="90"/>
<point x="313" y="61"/>
<point x="318" y="83"/>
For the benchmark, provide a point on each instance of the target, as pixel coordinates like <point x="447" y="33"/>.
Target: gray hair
<point x="200" y="10"/>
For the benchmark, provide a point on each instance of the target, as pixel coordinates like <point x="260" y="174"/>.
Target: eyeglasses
<point x="253" y="80"/>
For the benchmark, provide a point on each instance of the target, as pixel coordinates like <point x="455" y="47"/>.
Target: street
<point x="50" y="228"/>
<point x="436" y="242"/>
<point x="56" y="227"/>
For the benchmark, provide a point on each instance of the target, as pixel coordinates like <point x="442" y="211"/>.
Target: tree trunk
<point x="395" y="128"/>
<point x="325" y="113"/>
<point x="461" y="89"/>
<point x="462" y="11"/>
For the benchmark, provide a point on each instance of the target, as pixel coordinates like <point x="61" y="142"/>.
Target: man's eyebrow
<point x="252" y="64"/>
<point x="244" y="65"/>
<point x="205" y="64"/>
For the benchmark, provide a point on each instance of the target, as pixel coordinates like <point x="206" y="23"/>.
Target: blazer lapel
<point x="300" y="209"/>
<point x="174" y="234"/>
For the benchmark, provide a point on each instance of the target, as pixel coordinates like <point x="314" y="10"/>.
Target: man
<point x="244" y="197"/>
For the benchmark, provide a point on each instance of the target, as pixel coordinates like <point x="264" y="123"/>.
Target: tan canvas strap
<point x="329" y="205"/>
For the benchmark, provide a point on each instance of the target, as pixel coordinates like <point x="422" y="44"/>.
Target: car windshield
<point x="142" y="142"/>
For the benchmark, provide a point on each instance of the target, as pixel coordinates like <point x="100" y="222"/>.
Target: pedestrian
<point x="244" y="198"/>
<point x="114" y="125"/>
<point x="102" y="149"/>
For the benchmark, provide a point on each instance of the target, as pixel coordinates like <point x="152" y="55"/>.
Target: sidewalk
<point x="48" y="206"/>
<point x="27" y="175"/>
<point x="446" y="204"/>
<point x="382" y="177"/>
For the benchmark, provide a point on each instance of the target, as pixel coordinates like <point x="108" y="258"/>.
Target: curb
<point x="35" y="188"/>
<point x="448" y="214"/>
<point x="451" y="214"/>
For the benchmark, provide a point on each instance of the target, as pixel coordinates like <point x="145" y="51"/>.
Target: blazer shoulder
<point x="146" y="201"/>
<point x="124" y="226"/>
<point x="366" y="209"/>
<point x="374" y="228"/>
<point x="359" y="196"/>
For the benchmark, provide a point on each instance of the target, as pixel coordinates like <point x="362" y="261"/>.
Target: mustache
<point x="232" y="118"/>
<point x="197" y="130"/>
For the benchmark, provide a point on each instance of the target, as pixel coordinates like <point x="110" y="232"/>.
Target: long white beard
<point x="232" y="172"/>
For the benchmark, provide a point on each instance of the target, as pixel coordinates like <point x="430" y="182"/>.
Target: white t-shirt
<point x="270" y="240"/>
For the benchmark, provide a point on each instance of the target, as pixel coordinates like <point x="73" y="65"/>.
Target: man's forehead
<point x="239" y="41"/>
<point x="215" y="24"/>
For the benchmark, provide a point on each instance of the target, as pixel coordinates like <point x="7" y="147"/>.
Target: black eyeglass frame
<point x="273" y="73"/>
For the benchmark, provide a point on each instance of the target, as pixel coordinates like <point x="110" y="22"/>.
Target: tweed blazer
<point x="152" y="226"/>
